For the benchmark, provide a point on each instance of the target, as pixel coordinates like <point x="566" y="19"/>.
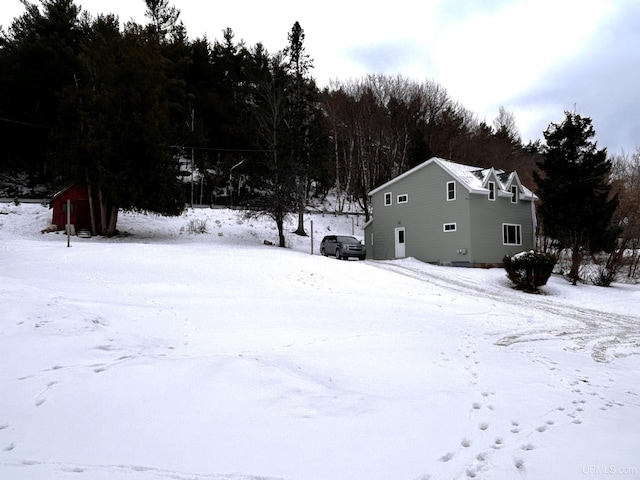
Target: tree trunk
<point x="302" y="194"/>
<point x="280" y="224"/>
<point x="576" y="261"/>
<point x="91" y="210"/>
<point x="103" y="213"/>
<point x="113" y="220"/>
<point x="91" y="206"/>
<point x="300" y="230"/>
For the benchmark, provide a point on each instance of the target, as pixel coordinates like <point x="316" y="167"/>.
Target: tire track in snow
<point x="608" y="335"/>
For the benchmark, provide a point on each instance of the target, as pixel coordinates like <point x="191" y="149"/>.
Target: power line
<point x="8" y="120"/>
<point x="214" y="149"/>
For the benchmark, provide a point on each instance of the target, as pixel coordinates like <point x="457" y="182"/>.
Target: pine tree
<point x="301" y="114"/>
<point x="164" y="18"/>
<point x="114" y="124"/>
<point x="275" y="180"/>
<point x="573" y="184"/>
<point x="38" y="56"/>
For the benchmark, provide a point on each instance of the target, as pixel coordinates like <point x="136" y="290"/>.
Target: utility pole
<point x="192" y="128"/>
<point x="231" y="181"/>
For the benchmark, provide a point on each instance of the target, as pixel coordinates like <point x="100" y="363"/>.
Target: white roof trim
<point x="465" y="175"/>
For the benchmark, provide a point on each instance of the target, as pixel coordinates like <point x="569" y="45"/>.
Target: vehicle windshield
<point x="344" y="239"/>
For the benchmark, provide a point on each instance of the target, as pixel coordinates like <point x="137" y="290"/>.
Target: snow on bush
<point x="529" y="270"/>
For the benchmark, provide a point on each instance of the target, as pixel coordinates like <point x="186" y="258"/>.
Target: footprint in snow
<point x="515" y="426"/>
<point x="518" y="463"/>
<point x="446" y="457"/>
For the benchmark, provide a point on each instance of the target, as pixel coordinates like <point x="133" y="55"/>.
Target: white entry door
<point x="400" y="242"/>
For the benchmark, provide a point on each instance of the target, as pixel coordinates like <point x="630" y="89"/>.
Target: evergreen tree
<point x="114" y="125"/>
<point x="38" y="56"/>
<point x="165" y="23"/>
<point x="573" y="184"/>
<point x="289" y="130"/>
<point x="231" y="121"/>
<point x="302" y="116"/>
<point x="275" y="179"/>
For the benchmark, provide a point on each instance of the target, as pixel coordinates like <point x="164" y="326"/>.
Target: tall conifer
<point x="573" y="184"/>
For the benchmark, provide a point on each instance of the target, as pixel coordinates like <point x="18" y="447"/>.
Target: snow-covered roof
<point x="474" y="179"/>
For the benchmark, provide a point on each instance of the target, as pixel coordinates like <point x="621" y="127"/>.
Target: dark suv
<point x="342" y="247"/>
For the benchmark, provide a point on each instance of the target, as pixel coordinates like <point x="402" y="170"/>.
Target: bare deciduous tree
<point x="626" y="184"/>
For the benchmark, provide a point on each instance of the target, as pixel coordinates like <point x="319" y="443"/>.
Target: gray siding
<point x="487" y="219"/>
<point x="478" y="238"/>
<point x="423" y="217"/>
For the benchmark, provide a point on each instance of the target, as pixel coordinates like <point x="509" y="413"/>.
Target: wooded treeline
<point x="86" y="98"/>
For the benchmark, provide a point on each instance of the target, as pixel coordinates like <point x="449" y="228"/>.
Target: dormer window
<point x="514" y="194"/>
<point x="492" y="190"/>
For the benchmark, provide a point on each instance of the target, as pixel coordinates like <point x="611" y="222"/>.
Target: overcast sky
<point x="537" y="58"/>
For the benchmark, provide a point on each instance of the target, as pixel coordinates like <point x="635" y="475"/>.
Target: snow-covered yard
<point x="164" y="354"/>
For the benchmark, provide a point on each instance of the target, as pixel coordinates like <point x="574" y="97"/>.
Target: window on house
<point x="511" y="234"/>
<point x="492" y="190"/>
<point x="450" y="227"/>
<point x="451" y="191"/>
<point x="404" y="198"/>
<point x="514" y="194"/>
<point x="387" y="199"/>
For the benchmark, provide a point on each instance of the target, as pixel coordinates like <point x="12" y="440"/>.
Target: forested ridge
<point x="85" y="97"/>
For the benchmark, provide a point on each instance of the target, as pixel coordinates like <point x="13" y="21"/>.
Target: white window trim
<point x="406" y="198"/>
<point x="514" y="194"/>
<point x="518" y="232"/>
<point x="388" y="195"/>
<point x="445" y="225"/>
<point x="454" y="191"/>
<point x="492" y="191"/>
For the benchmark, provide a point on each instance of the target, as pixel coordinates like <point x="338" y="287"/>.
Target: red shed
<point x="78" y="194"/>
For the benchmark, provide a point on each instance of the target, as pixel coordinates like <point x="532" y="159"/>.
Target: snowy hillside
<point x="162" y="354"/>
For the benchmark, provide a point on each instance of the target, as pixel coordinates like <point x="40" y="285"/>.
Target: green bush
<point x="529" y="270"/>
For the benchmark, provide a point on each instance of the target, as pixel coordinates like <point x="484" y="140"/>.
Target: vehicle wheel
<point x="361" y="258"/>
<point x="322" y="252"/>
<point x="338" y="255"/>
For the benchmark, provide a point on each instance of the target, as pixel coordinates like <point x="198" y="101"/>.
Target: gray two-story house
<point x="451" y="214"/>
